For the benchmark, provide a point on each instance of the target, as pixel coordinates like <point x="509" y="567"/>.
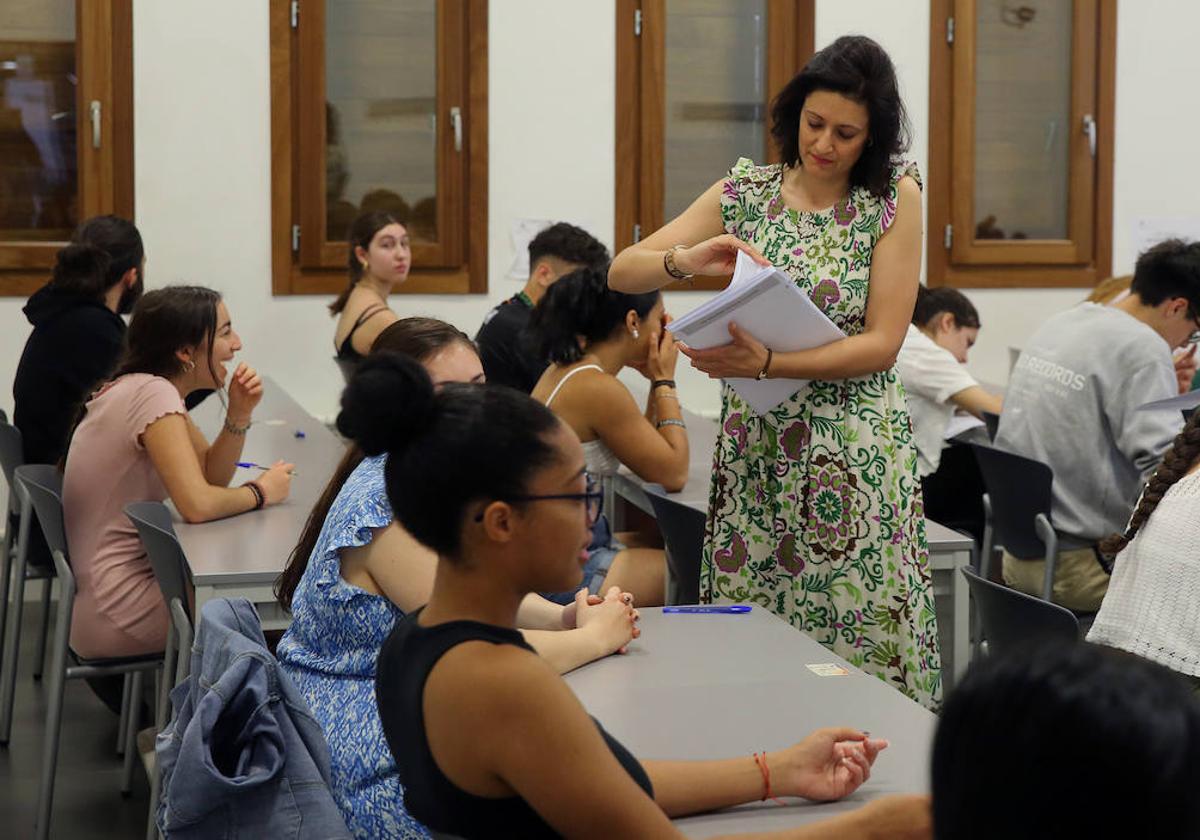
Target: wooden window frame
<point x="959" y="260"/>
<point x="104" y="62"/>
<point x="457" y="264"/>
<point x="640" y="102"/>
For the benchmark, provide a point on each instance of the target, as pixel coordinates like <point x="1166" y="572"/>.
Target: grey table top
<point x="254" y="547"/>
<point x="716" y="686"/>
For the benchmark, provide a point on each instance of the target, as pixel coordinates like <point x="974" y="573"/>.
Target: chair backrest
<point x="12" y="455"/>
<point x="682" y="529"/>
<point x="43" y="485"/>
<point x="1018" y="489"/>
<point x="347" y="367"/>
<point x="153" y="523"/>
<point x="1011" y="619"/>
<point x="991" y="422"/>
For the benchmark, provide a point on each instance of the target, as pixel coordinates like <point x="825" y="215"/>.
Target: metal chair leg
<point x="40" y="659"/>
<point x="165" y="678"/>
<point x="6" y="567"/>
<point x="126" y="686"/>
<point x="131" y="750"/>
<point x="8" y="675"/>
<point x="58" y="678"/>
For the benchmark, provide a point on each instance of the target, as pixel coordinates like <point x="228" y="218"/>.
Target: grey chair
<point x="1011" y="619"/>
<point x="991" y="422"/>
<point x="682" y="529"/>
<point x="43" y="486"/>
<point x="1017" y="511"/>
<point x="15" y="571"/>
<point x="154" y="526"/>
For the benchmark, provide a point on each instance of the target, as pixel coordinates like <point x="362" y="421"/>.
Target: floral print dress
<point x="815" y="511"/>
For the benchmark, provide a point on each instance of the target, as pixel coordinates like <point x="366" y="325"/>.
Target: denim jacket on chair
<point x="242" y="757"/>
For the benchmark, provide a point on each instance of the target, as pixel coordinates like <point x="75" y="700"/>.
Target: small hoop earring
<point x="189" y="366"/>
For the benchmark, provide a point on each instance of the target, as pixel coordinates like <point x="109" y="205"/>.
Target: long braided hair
<point x="1175" y="465"/>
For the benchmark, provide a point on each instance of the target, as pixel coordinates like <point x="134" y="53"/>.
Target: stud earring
<point x="636" y="335"/>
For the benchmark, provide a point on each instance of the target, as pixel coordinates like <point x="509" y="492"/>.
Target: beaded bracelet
<point x="670" y="421"/>
<point x="260" y="498"/>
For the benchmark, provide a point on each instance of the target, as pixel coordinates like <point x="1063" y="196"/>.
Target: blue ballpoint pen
<point x="250" y="465"/>
<point x="730" y="609"/>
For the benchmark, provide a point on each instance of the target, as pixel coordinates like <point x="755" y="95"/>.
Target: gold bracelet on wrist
<point x="671" y="268"/>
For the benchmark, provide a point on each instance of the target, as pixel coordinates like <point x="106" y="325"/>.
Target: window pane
<point x="715" y="93"/>
<point x="39" y="184"/>
<point x="1022" y="120"/>
<point x="380" y="117"/>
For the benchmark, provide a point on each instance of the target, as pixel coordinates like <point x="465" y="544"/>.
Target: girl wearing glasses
<point x="356" y="572"/>
<point x="489" y="740"/>
<point x="590" y="333"/>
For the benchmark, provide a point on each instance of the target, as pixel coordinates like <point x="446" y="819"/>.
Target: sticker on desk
<point x="829" y="669"/>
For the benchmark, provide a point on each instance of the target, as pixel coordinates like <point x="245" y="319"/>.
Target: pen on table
<point x="250" y="465"/>
<point x="727" y="609"/>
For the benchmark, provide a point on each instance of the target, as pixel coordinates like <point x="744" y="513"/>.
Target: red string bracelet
<point x="761" y="760"/>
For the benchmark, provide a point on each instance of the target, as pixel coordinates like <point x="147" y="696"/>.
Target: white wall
<point x="203" y="171"/>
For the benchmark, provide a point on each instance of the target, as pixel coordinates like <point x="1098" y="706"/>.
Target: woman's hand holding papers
<point x="743" y="357"/>
<point x="715" y="256"/>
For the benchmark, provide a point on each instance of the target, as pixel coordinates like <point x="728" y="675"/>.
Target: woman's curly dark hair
<point x="858" y="68"/>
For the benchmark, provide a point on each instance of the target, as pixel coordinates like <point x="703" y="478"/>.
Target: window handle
<point x="456" y="126"/>
<point x="95" y="111"/>
<point x="1089" y="128"/>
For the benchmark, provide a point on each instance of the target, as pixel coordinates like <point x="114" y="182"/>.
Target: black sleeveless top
<point x="346" y="352"/>
<point x="407" y="657"/>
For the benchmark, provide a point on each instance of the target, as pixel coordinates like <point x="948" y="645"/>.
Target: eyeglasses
<point x="592" y="497"/>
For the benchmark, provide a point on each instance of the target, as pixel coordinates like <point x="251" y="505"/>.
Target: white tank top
<point x="601" y="461"/>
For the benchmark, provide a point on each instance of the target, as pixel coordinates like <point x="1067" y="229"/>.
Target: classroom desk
<point x="718" y="686"/>
<point x="949" y="551"/>
<point x="241" y="556"/>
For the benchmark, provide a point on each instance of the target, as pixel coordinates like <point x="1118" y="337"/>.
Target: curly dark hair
<point x="858" y="68"/>
<point x="570" y="244"/>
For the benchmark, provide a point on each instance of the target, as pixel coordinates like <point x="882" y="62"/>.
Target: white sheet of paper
<point x="959" y="423"/>
<point x="1150" y="230"/>
<point x="522" y="233"/>
<point x="769" y="305"/>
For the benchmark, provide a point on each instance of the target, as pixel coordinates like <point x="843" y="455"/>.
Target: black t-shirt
<point x="404" y="664"/>
<point x="506" y="348"/>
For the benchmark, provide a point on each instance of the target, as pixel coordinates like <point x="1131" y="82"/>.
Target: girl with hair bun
<point x="489" y="741"/>
<point x="1151" y="606"/>
<point x="590" y="333"/>
<point x="356" y="572"/>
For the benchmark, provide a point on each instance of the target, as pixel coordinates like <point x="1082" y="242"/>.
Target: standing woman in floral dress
<point x="815" y="511"/>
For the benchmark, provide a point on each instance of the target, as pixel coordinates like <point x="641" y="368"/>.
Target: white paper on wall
<point x="1150" y="230"/>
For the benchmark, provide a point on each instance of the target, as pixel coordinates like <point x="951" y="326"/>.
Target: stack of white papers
<point x="768" y="305"/>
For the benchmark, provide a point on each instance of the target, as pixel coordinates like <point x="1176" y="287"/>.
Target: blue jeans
<point x="601" y="552"/>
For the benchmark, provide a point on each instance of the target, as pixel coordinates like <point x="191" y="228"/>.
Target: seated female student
<point x="932" y="368"/>
<point x="379" y="259"/>
<point x="489" y="740"/>
<point x="135" y="442"/>
<point x="1067" y="742"/>
<point x="1152" y="605"/>
<point x="590" y="333"/>
<point x="356" y="572"/>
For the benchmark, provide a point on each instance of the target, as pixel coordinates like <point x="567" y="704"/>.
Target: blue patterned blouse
<point x="329" y="651"/>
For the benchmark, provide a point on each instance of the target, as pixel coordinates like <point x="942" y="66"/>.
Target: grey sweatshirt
<point x="1072" y="403"/>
